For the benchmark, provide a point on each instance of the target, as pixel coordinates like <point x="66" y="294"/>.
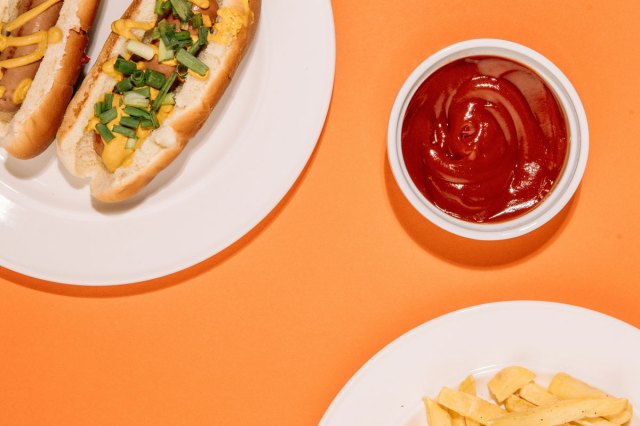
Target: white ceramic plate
<point x="545" y="337"/>
<point x="229" y="177"/>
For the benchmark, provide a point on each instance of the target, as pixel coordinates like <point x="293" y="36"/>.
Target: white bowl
<point x="578" y="146"/>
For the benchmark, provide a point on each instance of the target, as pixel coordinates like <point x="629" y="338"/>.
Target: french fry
<point x="457" y="419"/>
<point x="562" y="412"/>
<point x="623" y="417"/>
<point x="515" y="404"/>
<point x="565" y="386"/>
<point x="436" y="415"/>
<point x="508" y="381"/>
<point x="468" y="385"/>
<point x="470" y="406"/>
<point x="567" y="402"/>
<point x="537" y="395"/>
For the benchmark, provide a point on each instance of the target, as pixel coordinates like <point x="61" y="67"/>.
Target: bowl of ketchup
<point x="488" y="139"/>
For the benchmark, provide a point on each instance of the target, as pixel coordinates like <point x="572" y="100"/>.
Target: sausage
<point x="98" y="146"/>
<point x="153" y="64"/>
<point x="13" y="76"/>
<point x="212" y="10"/>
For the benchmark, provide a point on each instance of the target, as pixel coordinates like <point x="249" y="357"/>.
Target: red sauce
<point x="484" y="139"/>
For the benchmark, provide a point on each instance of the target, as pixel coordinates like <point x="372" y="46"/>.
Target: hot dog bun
<point x="195" y="100"/>
<point x="32" y="128"/>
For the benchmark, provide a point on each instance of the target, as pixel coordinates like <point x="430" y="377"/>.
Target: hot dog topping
<point x="159" y="56"/>
<point x="30" y="14"/>
<point x="41" y="38"/>
<point x="23" y="44"/>
<point x="123" y="28"/>
<point x="21" y="91"/>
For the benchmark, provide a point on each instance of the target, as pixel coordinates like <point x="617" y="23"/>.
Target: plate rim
<point x="337" y="401"/>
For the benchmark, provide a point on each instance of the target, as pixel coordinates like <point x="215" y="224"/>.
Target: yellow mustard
<point x="123" y="28"/>
<point x="115" y="155"/>
<point x="2" y="91"/>
<point x="108" y="69"/>
<point x="41" y="38"/>
<point x="230" y="22"/>
<point x="21" y="91"/>
<point x="30" y="14"/>
<point x="114" y="152"/>
<point x="198" y="76"/>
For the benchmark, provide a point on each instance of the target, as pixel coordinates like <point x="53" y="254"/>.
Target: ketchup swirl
<point x="484" y="139"/>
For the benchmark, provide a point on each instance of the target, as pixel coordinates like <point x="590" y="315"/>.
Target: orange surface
<point x="267" y="332"/>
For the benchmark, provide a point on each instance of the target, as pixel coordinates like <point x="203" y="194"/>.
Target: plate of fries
<point x="520" y="363"/>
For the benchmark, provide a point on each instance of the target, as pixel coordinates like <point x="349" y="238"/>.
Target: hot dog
<point x="158" y="77"/>
<point x="39" y="34"/>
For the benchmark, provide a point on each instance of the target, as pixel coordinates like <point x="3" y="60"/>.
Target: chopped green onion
<point x="144" y="91"/>
<point x="131" y="144"/>
<point x="98" y="108"/>
<point x="166" y="6"/>
<point x="183" y="35"/>
<point x="203" y="33"/>
<point x="158" y="8"/>
<point x="191" y="62"/>
<point x="196" y="21"/>
<point x="194" y="48"/>
<point x="124" y="131"/>
<point x="154" y="79"/>
<point x="183" y="9"/>
<point x="108" y="101"/>
<point x="137" y="78"/>
<point x="123" y="66"/>
<point x="170" y="99"/>
<point x="105" y="133"/>
<point x="136" y="100"/>
<point x="146" y="124"/>
<point x="154" y="119"/>
<point x="164" y="54"/>
<point x="108" y="115"/>
<point x="124" y="86"/>
<point x="166" y="32"/>
<point x="143" y="50"/>
<point x="137" y="112"/>
<point x="182" y="71"/>
<point x="130" y="122"/>
<point x="168" y="84"/>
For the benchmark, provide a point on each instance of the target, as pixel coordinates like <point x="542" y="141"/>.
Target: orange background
<point x="268" y="331"/>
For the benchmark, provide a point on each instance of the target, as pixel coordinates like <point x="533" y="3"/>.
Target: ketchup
<point x="484" y="139"/>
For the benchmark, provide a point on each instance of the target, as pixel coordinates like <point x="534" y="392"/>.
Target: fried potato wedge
<point x="436" y="415"/>
<point x="565" y="386"/>
<point x="457" y="419"/>
<point x="538" y="395"/>
<point x="508" y="380"/>
<point x="561" y="412"/>
<point x="468" y="385"/>
<point x="470" y="406"/>
<point x="515" y="404"/>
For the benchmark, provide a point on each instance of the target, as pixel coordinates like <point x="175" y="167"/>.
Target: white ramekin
<point x="578" y="146"/>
